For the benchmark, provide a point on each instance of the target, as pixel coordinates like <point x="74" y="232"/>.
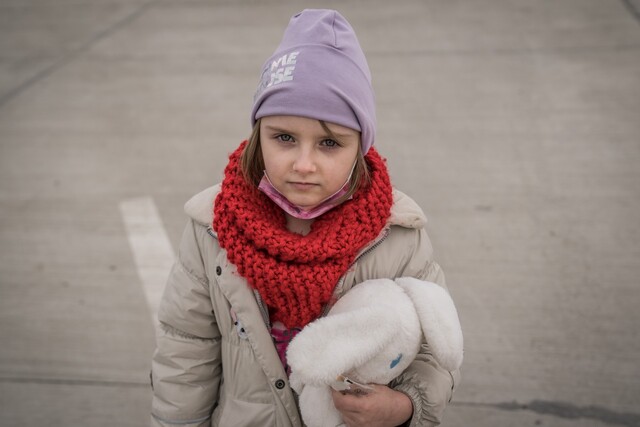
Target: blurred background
<point x="515" y="124"/>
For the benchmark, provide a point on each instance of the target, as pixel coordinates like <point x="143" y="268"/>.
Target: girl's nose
<point x="304" y="162"/>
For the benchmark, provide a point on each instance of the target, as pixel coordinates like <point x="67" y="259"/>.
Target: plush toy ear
<point x="438" y="318"/>
<point x="334" y="345"/>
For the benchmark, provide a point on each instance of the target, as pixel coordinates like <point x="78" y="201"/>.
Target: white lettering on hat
<point x="282" y="69"/>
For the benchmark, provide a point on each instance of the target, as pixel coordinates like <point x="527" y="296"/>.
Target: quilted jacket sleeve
<point x="428" y="384"/>
<point x="186" y="369"/>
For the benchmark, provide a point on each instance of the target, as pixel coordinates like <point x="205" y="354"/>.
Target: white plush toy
<point x="371" y="335"/>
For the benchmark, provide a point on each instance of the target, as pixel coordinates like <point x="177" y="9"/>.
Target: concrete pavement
<point x="515" y="125"/>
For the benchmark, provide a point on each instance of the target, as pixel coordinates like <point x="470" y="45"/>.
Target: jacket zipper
<point x="263" y="309"/>
<point x="372" y="247"/>
<point x="377" y="243"/>
<point x="211" y="233"/>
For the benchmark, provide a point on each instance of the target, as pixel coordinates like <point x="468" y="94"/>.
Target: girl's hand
<point x="381" y="407"/>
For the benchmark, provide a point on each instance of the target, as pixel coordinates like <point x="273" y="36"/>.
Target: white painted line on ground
<point x="152" y="250"/>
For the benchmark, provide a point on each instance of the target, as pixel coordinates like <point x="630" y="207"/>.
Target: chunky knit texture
<point x="296" y="274"/>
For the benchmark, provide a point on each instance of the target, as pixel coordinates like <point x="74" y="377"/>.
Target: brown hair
<point x="252" y="163"/>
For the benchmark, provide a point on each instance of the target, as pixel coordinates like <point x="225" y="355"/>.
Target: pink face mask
<point x="297" y="212"/>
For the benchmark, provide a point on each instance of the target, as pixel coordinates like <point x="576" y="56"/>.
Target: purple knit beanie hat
<point x="319" y="71"/>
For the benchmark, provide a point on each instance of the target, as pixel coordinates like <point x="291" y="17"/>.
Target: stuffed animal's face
<point x="390" y="361"/>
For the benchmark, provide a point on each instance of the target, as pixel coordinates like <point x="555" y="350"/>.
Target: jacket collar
<point x="404" y="211"/>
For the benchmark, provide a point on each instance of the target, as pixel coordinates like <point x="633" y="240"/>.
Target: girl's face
<point x="303" y="161"/>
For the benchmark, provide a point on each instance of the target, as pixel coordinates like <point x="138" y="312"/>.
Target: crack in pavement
<point x="633" y="6"/>
<point x="67" y="58"/>
<point x="565" y="410"/>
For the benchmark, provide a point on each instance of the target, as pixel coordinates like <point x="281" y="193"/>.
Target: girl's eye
<point x="329" y="143"/>
<point x="284" y="138"/>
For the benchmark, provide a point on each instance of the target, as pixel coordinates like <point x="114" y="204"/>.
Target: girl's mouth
<point x="302" y="185"/>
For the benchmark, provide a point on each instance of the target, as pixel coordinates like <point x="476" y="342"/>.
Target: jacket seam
<point x="177" y="332"/>
<point x="453" y="386"/>
<point x="193" y="276"/>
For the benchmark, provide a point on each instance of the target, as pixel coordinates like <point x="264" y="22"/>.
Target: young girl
<point x="304" y="213"/>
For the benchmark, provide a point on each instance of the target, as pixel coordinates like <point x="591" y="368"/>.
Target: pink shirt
<point x="281" y="338"/>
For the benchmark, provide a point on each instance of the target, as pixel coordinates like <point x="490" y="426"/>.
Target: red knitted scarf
<point x="296" y="274"/>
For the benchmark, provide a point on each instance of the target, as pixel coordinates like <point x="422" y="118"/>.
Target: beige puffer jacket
<point x="208" y="371"/>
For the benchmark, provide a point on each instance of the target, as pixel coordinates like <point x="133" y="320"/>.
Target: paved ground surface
<point x="515" y="124"/>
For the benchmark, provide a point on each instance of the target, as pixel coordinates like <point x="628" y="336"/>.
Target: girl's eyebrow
<point x="278" y="129"/>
